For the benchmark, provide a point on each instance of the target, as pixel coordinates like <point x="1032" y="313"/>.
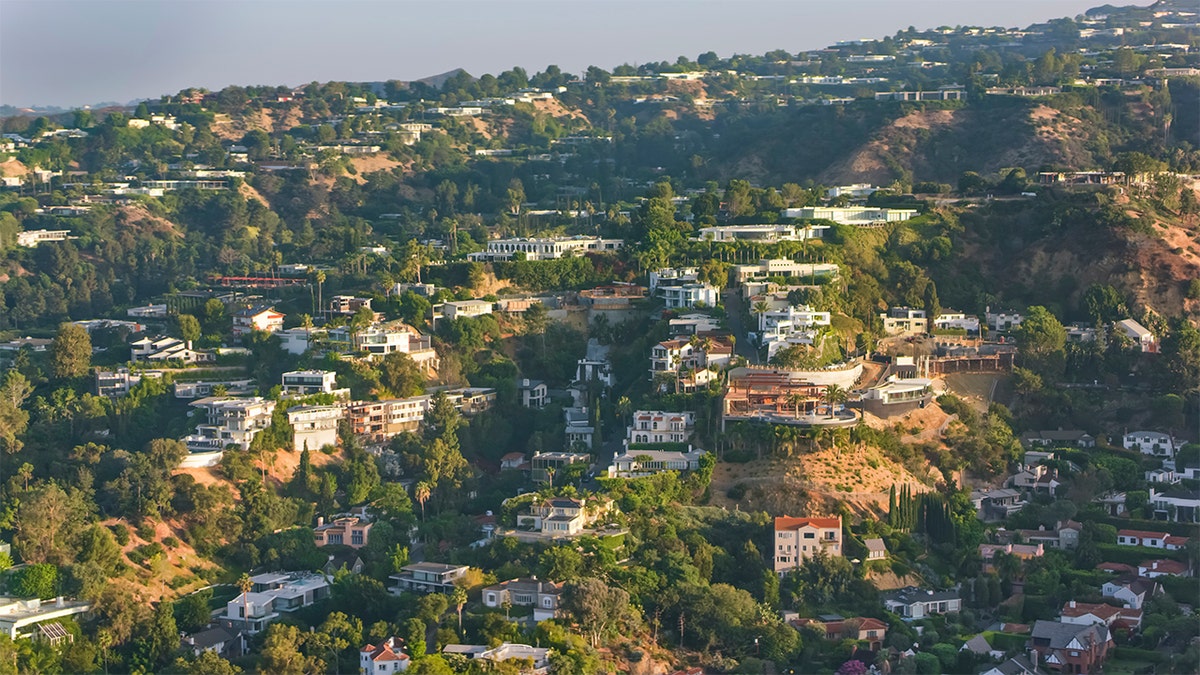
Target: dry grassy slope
<point x="941" y="144"/>
<point x="815" y="482"/>
<point x="1152" y="268"/>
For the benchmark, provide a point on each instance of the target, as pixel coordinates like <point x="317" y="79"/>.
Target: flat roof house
<point x="349" y="531"/>
<point x="427" y="577"/>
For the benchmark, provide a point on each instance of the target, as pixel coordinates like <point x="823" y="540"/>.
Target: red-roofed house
<point x="1142" y="538"/>
<point x="1116" y="618"/>
<point x="797" y="539"/>
<point x="1175" y="543"/>
<point x="384" y="658"/>
<point x="868" y="629"/>
<point x="512" y="460"/>
<point x="1116" y="568"/>
<point x="1158" y="568"/>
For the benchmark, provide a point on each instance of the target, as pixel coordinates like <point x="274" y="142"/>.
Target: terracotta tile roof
<point x="790" y="523"/>
<point x="1142" y="534"/>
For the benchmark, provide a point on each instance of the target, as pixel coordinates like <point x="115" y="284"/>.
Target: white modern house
<point x="851" y="215"/>
<point x="228" y="421"/>
<point x="272" y="595"/>
<point x="690" y="295"/>
<point x="545" y="248"/>
<point x="898" y="320"/>
<point x="314" y="426"/>
<point x="634" y="463"/>
<point x="309" y="382"/>
<point x="1146" y="341"/>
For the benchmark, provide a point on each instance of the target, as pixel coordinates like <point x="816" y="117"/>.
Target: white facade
<point x="545" y="249"/>
<point x="265" y="319"/>
<point x="637" y="463"/>
<point x="466" y="308"/>
<point x="314" y="426"/>
<point x="899" y="320"/>
<point x="1152" y="443"/>
<point x="690" y="295"/>
<point x="272" y="594"/>
<point x="762" y="233"/>
<point x="657" y="426"/>
<point x="167" y="349"/>
<point x="32" y="238"/>
<point x="308" y="382"/>
<point x="1141" y="336"/>
<point x="781" y="267"/>
<point x="1003" y="320"/>
<point x="851" y="215"/>
<point x="229" y="421"/>
<point x="957" y="320"/>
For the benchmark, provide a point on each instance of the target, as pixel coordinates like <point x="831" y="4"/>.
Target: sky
<point x="77" y="52"/>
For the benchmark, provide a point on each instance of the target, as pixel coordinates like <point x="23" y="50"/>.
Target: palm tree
<point x="833" y="395"/>
<point x="796" y="398"/>
<point x="760" y="308"/>
<point x="422" y="493"/>
<point x="320" y="287"/>
<point x="550" y="476"/>
<point x="245" y="584"/>
<point x="459" y="598"/>
<point x="507" y="605"/>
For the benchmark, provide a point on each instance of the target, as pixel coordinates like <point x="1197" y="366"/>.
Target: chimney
<point x="58" y="601"/>
<point x="1072" y="604"/>
<point x="320" y="521"/>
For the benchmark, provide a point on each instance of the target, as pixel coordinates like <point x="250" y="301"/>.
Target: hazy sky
<point x="75" y="52"/>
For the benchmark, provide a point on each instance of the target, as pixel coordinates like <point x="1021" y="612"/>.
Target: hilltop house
<point x="540" y="656"/>
<point x="385" y="658"/>
<point x="314" y="426"/>
<point x="1086" y="613"/>
<point x="835" y="627"/>
<point x="349" y="531"/>
<point x="532" y="393"/>
<point x="262" y="318"/>
<point x="427" y="577"/>
<point x="1130" y="590"/>
<point x="1181" y="505"/>
<point x="657" y="426"/>
<point x="25" y="618"/>
<point x="1152" y="443"/>
<point x="542" y="596"/>
<point x="564" y="516"/>
<point x="797" y="539"/>
<point x="911" y="602"/>
<point x="1146" y="341"/>
<point x="633" y="463"/>
<point x="1069" y="647"/>
<point x="229" y="421"/>
<point x="162" y="348"/>
<point x="272" y="593"/>
<point x="899" y="320"/>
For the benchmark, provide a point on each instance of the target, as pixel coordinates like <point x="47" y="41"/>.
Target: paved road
<point x="733" y="309"/>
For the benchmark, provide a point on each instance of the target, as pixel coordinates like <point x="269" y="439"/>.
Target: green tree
<point x="281" y="653"/>
<point x="71" y="352"/>
<point x="401" y="375"/>
<point x="36" y="581"/>
<point x="207" y="663"/>
<point x="596" y="606"/>
<point x="1041" y="339"/>
<point x="189" y="327"/>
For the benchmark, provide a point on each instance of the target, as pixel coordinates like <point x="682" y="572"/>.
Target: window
<point x="809" y="535"/>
